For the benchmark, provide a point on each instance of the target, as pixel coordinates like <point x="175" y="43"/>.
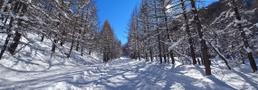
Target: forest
<point x="61" y="45"/>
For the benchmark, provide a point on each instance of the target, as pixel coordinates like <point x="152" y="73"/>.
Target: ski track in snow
<point x="126" y="74"/>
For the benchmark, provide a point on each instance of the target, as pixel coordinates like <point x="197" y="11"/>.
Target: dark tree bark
<point x="105" y="59"/>
<point x="15" y="43"/>
<point x="42" y="38"/>
<point x="187" y="28"/>
<point x="7" y="38"/>
<point x="199" y="61"/>
<point x="77" y="45"/>
<point x="220" y="55"/>
<point x="244" y="37"/>
<point x="62" y="43"/>
<point x="139" y="55"/>
<point x="54" y="46"/>
<point x="172" y="57"/>
<point x="90" y="52"/>
<point x="5" y="45"/>
<point x="204" y="47"/>
<point x="71" y="47"/>
<point x="160" y="52"/>
<point x="168" y="57"/>
<point x="82" y="49"/>
<point x="146" y="56"/>
<point x="151" y="55"/>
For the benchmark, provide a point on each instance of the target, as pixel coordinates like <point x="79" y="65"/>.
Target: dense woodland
<point x="72" y="23"/>
<point x="159" y="30"/>
<point x="162" y="30"/>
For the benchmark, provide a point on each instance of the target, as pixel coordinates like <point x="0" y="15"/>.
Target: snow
<point x="247" y="31"/>
<point x="34" y="68"/>
<point x="127" y="74"/>
<point x="248" y="49"/>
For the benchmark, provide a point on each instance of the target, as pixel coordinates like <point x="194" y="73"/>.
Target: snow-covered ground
<point x="127" y="74"/>
<point x="34" y="68"/>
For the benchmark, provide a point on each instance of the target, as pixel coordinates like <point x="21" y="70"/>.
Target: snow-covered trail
<point x="126" y="74"/>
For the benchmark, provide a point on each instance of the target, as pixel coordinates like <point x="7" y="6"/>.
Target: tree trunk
<point x="54" y="46"/>
<point x="172" y="57"/>
<point x="190" y="39"/>
<point x="82" y="49"/>
<point x="244" y="37"/>
<point x="165" y="58"/>
<point x="77" y="45"/>
<point x="151" y="55"/>
<point x="220" y="55"/>
<point x="199" y="61"/>
<point x="204" y="47"/>
<point x="7" y="38"/>
<point x="146" y="56"/>
<point x="160" y="52"/>
<point x="90" y="52"/>
<point x="61" y="43"/>
<point x="139" y="55"/>
<point x="5" y="45"/>
<point x="42" y="38"/>
<point x="104" y="56"/>
<point x="71" y="49"/>
<point x="15" y="44"/>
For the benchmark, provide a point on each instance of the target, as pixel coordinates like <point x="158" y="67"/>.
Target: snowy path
<point x="126" y="74"/>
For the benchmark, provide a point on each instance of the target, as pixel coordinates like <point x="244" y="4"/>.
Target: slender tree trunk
<point x="151" y="55"/>
<point x="172" y="57"/>
<point x="15" y="44"/>
<point x="7" y="38"/>
<point x="71" y="47"/>
<point x="190" y="39"/>
<point x="165" y="58"/>
<point x="220" y="55"/>
<point x="5" y="45"/>
<point x="42" y="38"/>
<point x="204" y="47"/>
<point x="104" y="55"/>
<point x="62" y="38"/>
<point x="244" y="37"/>
<point x="90" y="52"/>
<point x="62" y="42"/>
<point x="168" y="57"/>
<point x="146" y="56"/>
<point x="159" y="38"/>
<point x="77" y="45"/>
<point x="199" y="61"/>
<point x="160" y="52"/>
<point x="139" y="55"/>
<point x="54" y="45"/>
<point x="82" y="49"/>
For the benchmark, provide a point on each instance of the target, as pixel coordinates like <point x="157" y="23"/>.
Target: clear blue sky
<point x="118" y="13"/>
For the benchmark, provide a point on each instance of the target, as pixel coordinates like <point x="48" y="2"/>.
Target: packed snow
<point x="127" y="74"/>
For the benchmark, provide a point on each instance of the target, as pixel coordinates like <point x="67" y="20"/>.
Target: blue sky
<point x="118" y="13"/>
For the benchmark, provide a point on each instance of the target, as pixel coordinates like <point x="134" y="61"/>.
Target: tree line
<point x="66" y="23"/>
<point x="193" y="33"/>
